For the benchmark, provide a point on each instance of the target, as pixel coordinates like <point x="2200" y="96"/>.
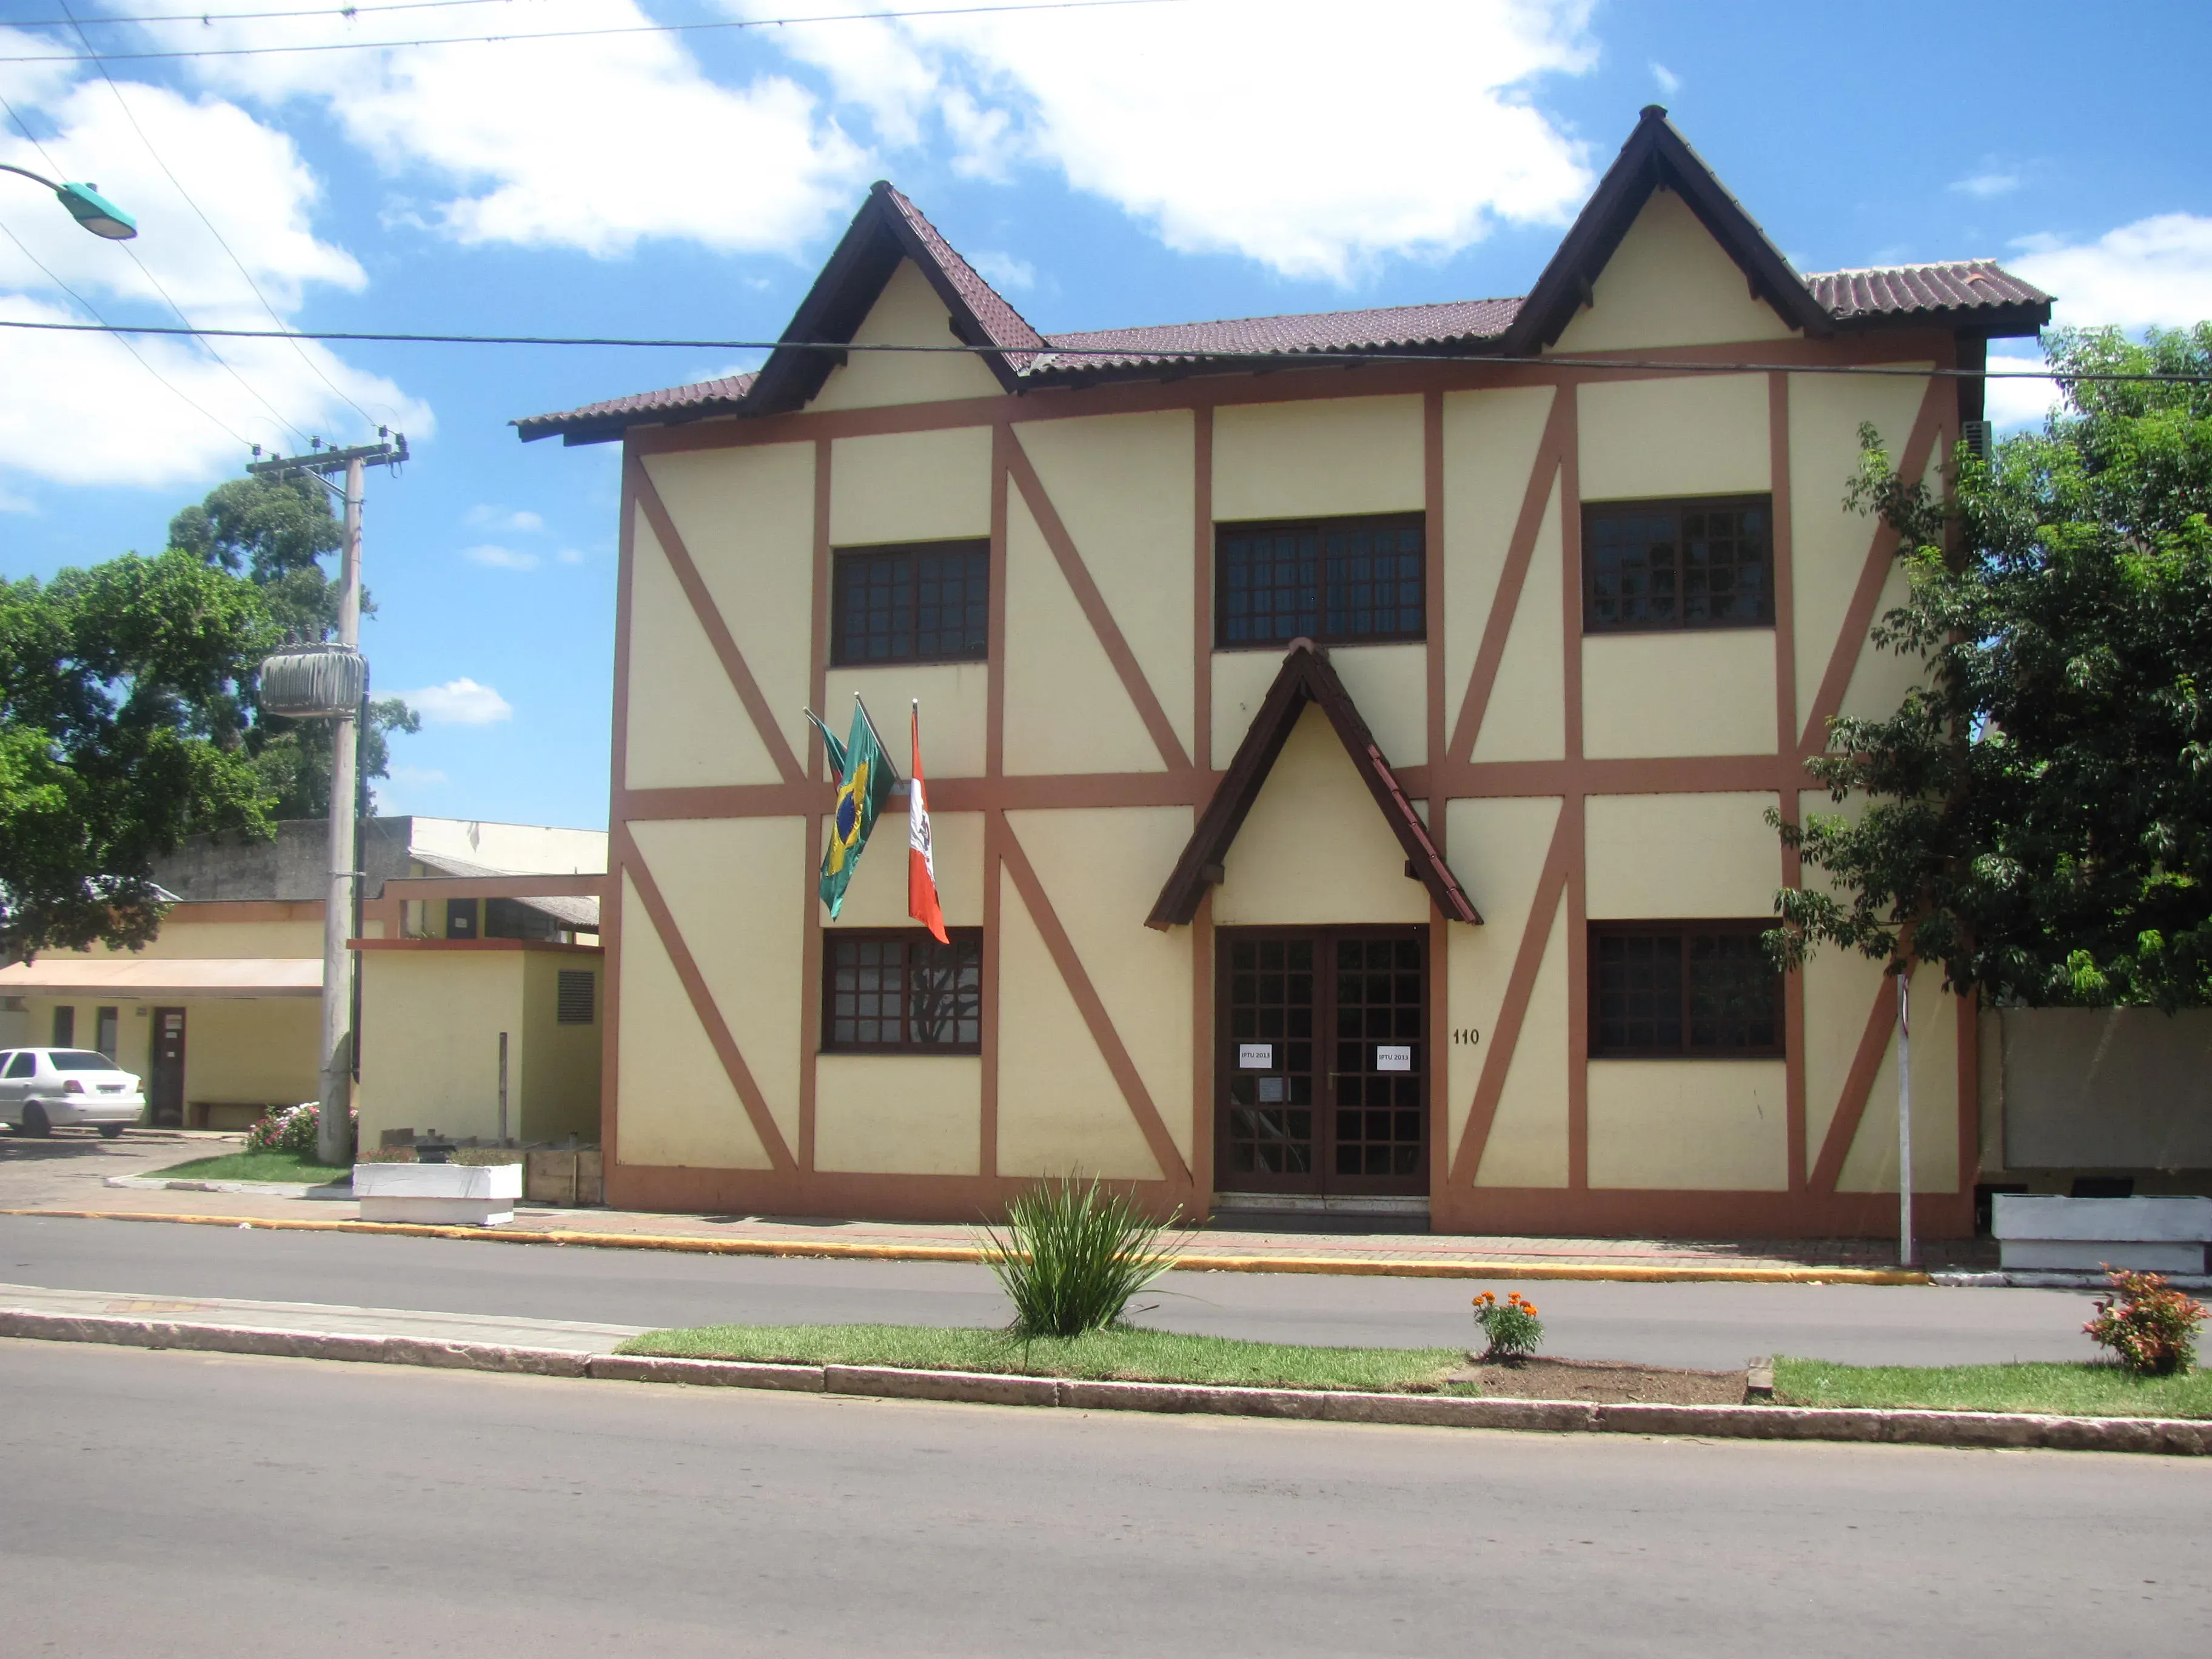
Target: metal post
<point x="334" y="1137"/>
<point x="1904" y="1119"/>
<point x="502" y="1088"/>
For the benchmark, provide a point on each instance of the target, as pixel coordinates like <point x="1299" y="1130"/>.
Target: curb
<point x="2169" y="1436"/>
<point x="1345" y="1266"/>
<point x="2039" y="1280"/>
<point x="265" y="1188"/>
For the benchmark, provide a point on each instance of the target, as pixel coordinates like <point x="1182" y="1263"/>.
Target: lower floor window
<point x="900" y="990"/>
<point x="1683" y="988"/>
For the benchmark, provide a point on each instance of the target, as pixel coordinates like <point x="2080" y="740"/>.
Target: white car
<point x="43" y="1088"/>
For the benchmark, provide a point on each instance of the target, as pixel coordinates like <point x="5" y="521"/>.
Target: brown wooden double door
<point x="1322" y="1083"/>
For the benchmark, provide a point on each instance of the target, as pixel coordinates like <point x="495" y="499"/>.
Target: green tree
<point x="2038" y="811"/>
<point x="277" y="533"/>
<point x="120" y="733"/>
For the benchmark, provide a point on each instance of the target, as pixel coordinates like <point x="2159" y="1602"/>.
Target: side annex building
<point x="1348" y="772"/>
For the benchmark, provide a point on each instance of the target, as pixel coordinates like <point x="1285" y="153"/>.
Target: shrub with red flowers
<point x="1511" y="1325"/>
<point x="2150" y="1327"/>
<point x="292" y="1130"/>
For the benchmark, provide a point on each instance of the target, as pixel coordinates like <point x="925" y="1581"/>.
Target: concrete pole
<point x="1904" y="1119"/>
<point x="333" y="1140"/>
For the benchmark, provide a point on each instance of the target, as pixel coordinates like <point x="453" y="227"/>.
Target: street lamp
<point x="86" y="206"/>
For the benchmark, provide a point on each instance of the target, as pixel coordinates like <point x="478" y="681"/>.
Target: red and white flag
<point x="921" y="868"/>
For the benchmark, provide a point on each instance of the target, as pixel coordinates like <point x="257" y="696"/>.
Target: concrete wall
<point x="2102" y="1088"/>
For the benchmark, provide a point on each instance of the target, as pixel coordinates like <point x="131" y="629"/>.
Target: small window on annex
<point x="1653" y="565"/>
<point x="898" y="991"/>
<point x="1338" y="581"/>
<point x="927" y="602"/>
<point x="1693" y="990"/>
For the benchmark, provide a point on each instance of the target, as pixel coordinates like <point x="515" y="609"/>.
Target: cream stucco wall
<point x="1871" y="1164"/>
<point x="1059" y="1110"/>
<point x="1527" y="1143"/>
<point x="554" y="1085"/>
<point x="1659" y="857"/>
<point x="1314" y="848"/>
<point x="429" y="1051"/>
<point x="677" y="1105"/>
<point x="677" y="689"/>
<point x="955" y="703"/>
<point x="1840" y="988"/>
<point x="1489" y="443"/>
<point x="747" y="515"/>
<point x="1690" y="1125"/>
<point x="910" y="487"/>
<point x="1700" y="691"/>
<point x="1669" y="284"/>
<point x="1059" y="681"/>
<point x="1389" y="684"/>
<point x="1525" y="716"/>
<point x="217" y="939"/>
<point x="1698" y="435"/>
<point x="249" y="1049"/>
<point x="1241" y="679"/>
<point x="737" y="889"/>
<point x="1320" y="457"/>
<point x="1101" y="869"/>
<point x="907" y="313"/>
<point x="1497" y="847"/>
<point x="1124" y="486"/>
<point x="898" y="1114"/>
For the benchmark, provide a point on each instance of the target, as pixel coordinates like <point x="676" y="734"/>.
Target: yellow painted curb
<point x="1346" y="1267"/>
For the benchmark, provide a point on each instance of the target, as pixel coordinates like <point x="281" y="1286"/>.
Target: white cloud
<point x="483" y="516"/>
<point x="418" y="776"/>
<point x="569" y="555"/>
<point x="459" y="702"/>
<point x="2156" y="271"/>
<point x="2011" y="402"/>
<point x="500" y="558"/>
<point x="11" y="502"/>
<point x="1004" y="271"/>
<point x="101" y="417"/>
<point x="1231" y="137"/>
<point x="1669" y="82"/>
<point x="1985" y="185"/>
<point x="595" y="144"/>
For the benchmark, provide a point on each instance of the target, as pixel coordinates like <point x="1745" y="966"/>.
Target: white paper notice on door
<point x="1255" y="1056"/>
<point x="1389" y="1058"/>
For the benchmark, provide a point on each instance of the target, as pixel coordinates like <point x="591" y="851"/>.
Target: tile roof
<point x="1008" y="328"/>
<point x="1382" y="329"/>
<point x="1902" y="290"/>
<point x="705" y="397"/>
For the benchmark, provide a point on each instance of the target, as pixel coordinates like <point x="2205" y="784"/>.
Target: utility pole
<point x="1904" y="1115"/>
<point x="330" y="681"/>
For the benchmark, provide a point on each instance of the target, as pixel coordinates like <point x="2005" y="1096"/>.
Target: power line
<point x="105" y="327"/>
<point x="90" y="57"/>
<point x="300" y="351"/>
<point x="349" y="12"/>
<point x="1274" y="360"/>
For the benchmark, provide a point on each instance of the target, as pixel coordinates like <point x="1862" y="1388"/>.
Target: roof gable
<point x="1305" y="678"/>
<point x="887" y="229"/>
<point x="1655" y="157"/>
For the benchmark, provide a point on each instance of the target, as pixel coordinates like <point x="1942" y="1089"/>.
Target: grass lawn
<point x="252" y="1166"/>
<point x="1125" y="1355"/>
<point x="2078" y="1390"/>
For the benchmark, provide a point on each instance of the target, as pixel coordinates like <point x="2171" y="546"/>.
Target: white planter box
<point x="453" y="1194"/>
<point x="2150" y="1235"/>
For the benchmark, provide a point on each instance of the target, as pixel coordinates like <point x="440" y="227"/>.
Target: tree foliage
<point x="2038" y="813"/>
<point x="120" y="733"/>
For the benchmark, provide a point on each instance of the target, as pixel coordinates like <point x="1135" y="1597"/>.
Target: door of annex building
<point x="1322" y="1083"/>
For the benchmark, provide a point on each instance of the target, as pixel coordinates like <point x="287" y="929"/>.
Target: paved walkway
<point x="69" y="1172"/>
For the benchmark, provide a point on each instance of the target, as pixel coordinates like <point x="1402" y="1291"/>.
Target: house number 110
<point x="1468" y="1034"/>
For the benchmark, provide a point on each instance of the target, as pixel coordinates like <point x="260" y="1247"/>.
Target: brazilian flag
<point x="864" y="781"/>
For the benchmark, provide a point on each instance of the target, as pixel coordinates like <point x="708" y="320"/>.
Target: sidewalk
<point x="65" y="1178"/>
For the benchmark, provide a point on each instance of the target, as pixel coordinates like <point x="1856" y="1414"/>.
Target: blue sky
<point x="1148" y="163"/>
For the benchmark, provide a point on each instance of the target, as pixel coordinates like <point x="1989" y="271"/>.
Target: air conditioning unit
<point x="1979" y="437"/>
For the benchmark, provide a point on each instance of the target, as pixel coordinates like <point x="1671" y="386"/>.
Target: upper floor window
<point x="928" y="602"/>
<point x="1683" y="990"/>
<point x="1338" y="581"/>
<point x="899" y="990"/>
<point x="1650" y="565"/>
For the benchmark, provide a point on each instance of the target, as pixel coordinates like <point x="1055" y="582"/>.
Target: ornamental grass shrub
<point x="2150" y="1327"/>
<point x="1071" y="1256"/>
<point x="1511" y="1326"/>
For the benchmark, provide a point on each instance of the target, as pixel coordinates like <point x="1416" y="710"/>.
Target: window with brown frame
<point x="1339" y="581"/>
<point x="1701" y="990"/>
<point x="898" y="991"/>
<point x="926" y="602"/>
<point x="1652" y="565"/>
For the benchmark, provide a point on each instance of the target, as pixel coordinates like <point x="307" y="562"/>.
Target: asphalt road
<point x="184" y="1505"/>
<point x="1715" y="1326"/>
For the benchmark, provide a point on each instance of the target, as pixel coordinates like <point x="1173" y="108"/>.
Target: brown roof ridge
<point x="1008" y="328"/>
<point x="1066" y="335"/>
<point x="1911" y="264"/>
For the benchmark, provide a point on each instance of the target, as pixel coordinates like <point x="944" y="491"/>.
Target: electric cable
<point x="299" y="350"/>
<point x="1232" y="358"/>
<point x="349" y="12"/>
<point x="89" y="56"/>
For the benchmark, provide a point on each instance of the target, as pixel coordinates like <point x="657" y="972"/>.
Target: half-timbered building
<point x="1350" y="738"/>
